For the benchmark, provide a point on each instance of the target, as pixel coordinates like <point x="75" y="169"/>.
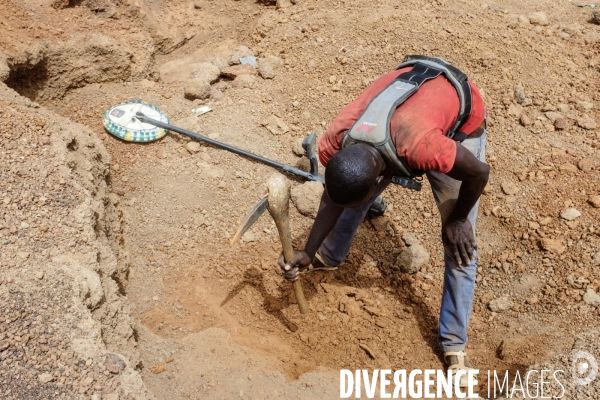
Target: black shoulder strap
<point x="458" y="79"/>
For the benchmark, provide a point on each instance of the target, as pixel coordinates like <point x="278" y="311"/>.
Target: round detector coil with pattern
<point x="122" y="122"/>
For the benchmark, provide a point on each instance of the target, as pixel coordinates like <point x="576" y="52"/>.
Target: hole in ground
<point x="28" y="80"/>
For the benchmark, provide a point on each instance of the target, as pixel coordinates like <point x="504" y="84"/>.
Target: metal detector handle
<point x="287" y="168"/>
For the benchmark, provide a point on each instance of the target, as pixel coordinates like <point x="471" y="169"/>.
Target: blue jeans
<point x="459" y="280"/>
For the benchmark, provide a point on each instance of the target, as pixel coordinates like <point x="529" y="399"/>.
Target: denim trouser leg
<point x="336" y="245"/>
<point x="459" y="280"/>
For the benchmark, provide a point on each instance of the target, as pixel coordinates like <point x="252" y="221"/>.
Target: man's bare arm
<point x="457" y="233"/>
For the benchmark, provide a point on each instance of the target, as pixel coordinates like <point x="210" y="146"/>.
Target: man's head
<point x="352" y="174"/>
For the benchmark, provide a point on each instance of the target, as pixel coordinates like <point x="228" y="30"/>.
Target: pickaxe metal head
<point x="251" y="218"/>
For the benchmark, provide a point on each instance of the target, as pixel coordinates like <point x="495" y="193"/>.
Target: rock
<point x="595" y="201"/>
<point x="161" y="153"/>
<point x="410" y="239"/>
<point x="158" y="368"/>
<point x="237" y="70"/>
<point x="381" y="223"/>
<point x="283" y="4"/>
<point x="586" y="122"/>
<point x="568" y="168"/>
<point x="591" y="298"/>
<point x="4" y="68"/>
<point x="206" y="72"/>
<point x="244" y="81"/>
<point x="587" y="164"/>
<point x="584" y="106"/>
<point x="570" y="214"/>
<point x="552" y="115"/>
<point x="525" y="120"/>
<point x="500" y="304"/>
<point x="519" y="94"/>
<point x="24" y="225"/>
<point x="114" y="364"/>
<point x="239" y="52"/>
<point x="595" y="17"/>
<point x="273" y="61"/>
<point x="307" y="197"/>
<point x="516" y="110"/>
<point x="555" y="246"/>
<point x="45" y="377"/>
<point x="560" y="123"/>
<point x="197" y="5"/>
<point x="90" y="288"/>
<point x="296" y="2"/>
<point x="266" y="70"/>
<point x="509" y="188"/>
<point x="193" y="147"/>
<point x="39" y="275"/>
<point x="197" y="89"/>
<point x="216" y="94"/>
<point x="412" y="259"/>
<point x="297" y="147"/>
<point x="538" y="18"/>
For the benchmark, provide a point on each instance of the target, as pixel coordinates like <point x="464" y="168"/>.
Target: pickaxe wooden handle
<point x="279" y="204"/>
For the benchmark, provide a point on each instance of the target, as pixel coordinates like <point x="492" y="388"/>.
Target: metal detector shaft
<point x="286" y="168"/>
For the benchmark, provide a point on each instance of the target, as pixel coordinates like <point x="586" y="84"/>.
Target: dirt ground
<point x="188" y="316"/>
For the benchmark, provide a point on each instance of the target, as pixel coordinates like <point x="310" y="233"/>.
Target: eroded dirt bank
<point x="112" y="247"/>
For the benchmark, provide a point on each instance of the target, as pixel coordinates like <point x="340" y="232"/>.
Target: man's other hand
<point x="459" y="241"/>
<point x="291" y="270"/>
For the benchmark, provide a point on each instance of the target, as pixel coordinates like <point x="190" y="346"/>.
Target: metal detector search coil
<point x="122" y="122"/>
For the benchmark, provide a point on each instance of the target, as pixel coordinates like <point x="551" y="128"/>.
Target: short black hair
<point x="350" y="175"/>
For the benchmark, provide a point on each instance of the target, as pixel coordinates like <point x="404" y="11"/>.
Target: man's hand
<point x="459" y="241"/>
<point x="291" y="270"/>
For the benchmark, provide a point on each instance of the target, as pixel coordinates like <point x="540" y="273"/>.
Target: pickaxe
<point x="278" y="204"/>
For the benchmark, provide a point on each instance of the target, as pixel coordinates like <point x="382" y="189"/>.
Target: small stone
<point x="560" y="123"/>
<point x="570" y="214"/>
<point x="410" y="239"/>
<point x="525" y="120"/>
<point x="412" y="259"/>
<point x="568" y="168"/>
<point x="197" y="89"/>
<point x="193" y="147"/>
<point x="114" y="364"/>
<point x="586" y="122"/>
<point x="538" y="18"/>
<point x="516" y="110"/>
<point x="307" y="197"/>
<point x="24" y="225"/>
<point x="158" y="368"/>
<point x="595" y="17"/>
<point x="555" y="246"/>
<point x="595" y="201"/>
<point x="197" y="5"/>
<point x="532" y="300"/>
<point x="519" y="94"/>
<point x="45" y="377"/>
<point x="587" y="164"/>
<point x="244" y="81"/>
<point x="161" y="153"/>
<point x="500" y="304"/>
<point x="266" y="70"/>
<point x="39" y="275"/>
<point x="169" y="360"/>
<point x="239" y="52"/>
<point x="297" y="147"/>
<point x="591" y="298"/>
<point x="23" y="255"/>
<point x="206" y="72"/>
<point x="584" y="106"/>
<point x="509" y="188"/>
<point x="237" y="70"/>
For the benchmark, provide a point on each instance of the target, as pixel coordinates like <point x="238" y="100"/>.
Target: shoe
<point x="318" y="264"/>
<point x="456" y="361"/>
